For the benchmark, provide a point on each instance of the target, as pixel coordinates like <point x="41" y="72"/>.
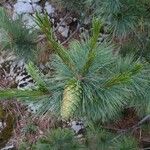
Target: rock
<point x="77" y="126"/>
<point x="9" y="147"/>
<point x="64" y="31"/>
<point x="41" y="132"/>
<point x="87" y="20"/>
<point x="29" y="1"/>
<point x="24" y="1"/>
<point x="35" y="1"/>
<point x="2" y="125"/>
<point x="33" y="107"/>
<point x="79" y="136"/>
<point x="60" y="29"/>
<point x="49" y="8"/>
<point x="26" y="7"/>
<point x="21" y="8"/>
<point x="15" y="16"/>
<point x="25" y="85"/>
<point x="29" y="21"/>
<point x="37" y="7"/>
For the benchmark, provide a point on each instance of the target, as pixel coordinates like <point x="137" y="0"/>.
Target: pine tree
<point x="88" y="80"/>
<point x="17" y="38"/>
<point x="58" y="139"/>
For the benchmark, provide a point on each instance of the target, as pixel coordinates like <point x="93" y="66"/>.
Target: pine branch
<point x="37" y="76"/>
<point x="45" y="26"/>
<point x="14" y="93"/>
<point x="96" y="25"/>
<point x="124" y="77"/>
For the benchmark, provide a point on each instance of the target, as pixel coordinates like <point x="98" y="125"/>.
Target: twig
<point x="18" y="110"/>
<point x="146" y="118"/>
<point x="148" y="148"/>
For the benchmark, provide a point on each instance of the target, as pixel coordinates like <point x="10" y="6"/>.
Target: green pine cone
<point x="71" y="99"/>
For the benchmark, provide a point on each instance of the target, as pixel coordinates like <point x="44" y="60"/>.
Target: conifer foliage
<point x="92" y="82"/>
<point x="18" y="38"/>
<point x="88" y="80"/>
